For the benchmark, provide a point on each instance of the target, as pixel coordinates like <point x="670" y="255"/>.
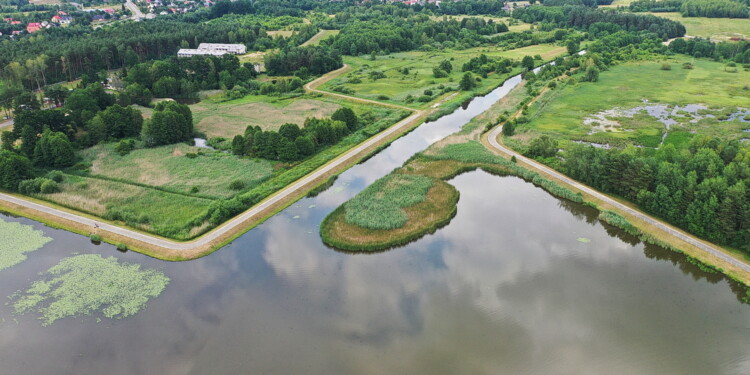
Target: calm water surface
<point x="506" y="288"/>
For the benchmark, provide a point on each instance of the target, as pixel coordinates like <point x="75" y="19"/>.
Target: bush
<point x="95" y="238"/>
<point x="38" y="185"/>
<point x="49" y="187"/>
<point x="125" y="146"/>
<point x="687" y="65"/>
<point x="666" y="66"/>
<point x="237" y="185"/>
<point x="424" y="98"/>
<point x="383" y="97"/>
<point x="122" y="247"/>
<point x="194" y="190"/>
<point x="56" y="176"/>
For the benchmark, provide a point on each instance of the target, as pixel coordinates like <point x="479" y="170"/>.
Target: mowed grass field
<point x="217" y="118"/>
<point x="561" y="112"/>
<point x="397" y="86"/>
<point x="321" y="35"/>
<point x="169" y="167"/>
<point x="718" y="29"/>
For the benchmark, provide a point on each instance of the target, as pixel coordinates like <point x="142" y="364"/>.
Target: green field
<point x="169" y="167"/>
<point x="593" y="111"/>
<point x="217" y="118"/>
<point x="713" y="28"/>
<point x="396" y="86"/>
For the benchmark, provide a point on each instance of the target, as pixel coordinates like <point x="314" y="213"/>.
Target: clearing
<point x="321" y="35"/>
<point x="217" y="118"/>
<point x="717" y="29"/>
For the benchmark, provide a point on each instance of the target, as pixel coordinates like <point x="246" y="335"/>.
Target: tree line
<point x="702" y="189"/>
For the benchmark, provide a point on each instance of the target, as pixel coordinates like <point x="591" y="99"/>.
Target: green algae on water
<point x="17" y="240"/>
<point x="87" y="284"/>
<point x="584" y="239"/>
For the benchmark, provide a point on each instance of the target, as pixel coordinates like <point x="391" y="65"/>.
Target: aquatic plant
<point x="380" y="205"/>
<point x="85" y="284"/>
<point x="18" y="239"/>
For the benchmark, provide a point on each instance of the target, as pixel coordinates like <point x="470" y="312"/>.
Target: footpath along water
<point x="518" y="282"/>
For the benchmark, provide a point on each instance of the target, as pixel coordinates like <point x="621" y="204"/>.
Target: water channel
<point x="519" y="282"/>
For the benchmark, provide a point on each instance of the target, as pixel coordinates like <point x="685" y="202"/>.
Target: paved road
<point x="255" y="212"/>
<point x="713" y="250"/>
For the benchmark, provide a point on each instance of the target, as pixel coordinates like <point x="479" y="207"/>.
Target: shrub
<point x="49" y="187"/>
<point x="95" y="238"/>
<point x="383" y="97"/>
<point x="666" y="66"/>
<point x="125" y="146"/>
<point x="237" y="185"/>
<point x="122" y="247"/>
<point x="687" y="65"/>
<point x="194" y="190"/>
<point x="191" y="155"/>
<point x="424" y="98"/>
<point x="56" y="176"/>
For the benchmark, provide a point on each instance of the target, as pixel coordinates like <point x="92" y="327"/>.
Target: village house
<point x="33" y="27"/>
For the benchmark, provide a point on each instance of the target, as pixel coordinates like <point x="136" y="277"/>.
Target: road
<point x="135" y="10"/>
<point x="6" y="124"/>
<point x="713" y="250"/>
<point x="199" y="246"/>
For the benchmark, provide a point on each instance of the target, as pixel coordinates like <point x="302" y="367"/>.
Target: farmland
<point x="589" y="112"/>
<point x="398" y="87"/>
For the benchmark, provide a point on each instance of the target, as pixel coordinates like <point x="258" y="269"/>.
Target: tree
<point x="346" y="115"/>
<point x="305" y="145"/>
<point x="509" y="129"/>
<point x="446" y="66"/>
<point x="119" y="122"/>
<point x="165" y="127"/>
<point x="290" y="131"/>
<point x="57" y="93"/>
<point x="238" y="145"/>
<point x="467" y="82"/>
<point x="592" y="74"/>
<point x="527" y="62"/>
<point x="28" y="141"/>
<point x="54" y="150"/>
<point x="544" y="146"/>
<point x="14" y="168"/>
<point x="573" y="47"/>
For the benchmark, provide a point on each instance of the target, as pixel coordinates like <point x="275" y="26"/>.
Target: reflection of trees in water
<point x="591" y="216"/>
<point x="580" y="211"/>
<point x="681" y="260"/>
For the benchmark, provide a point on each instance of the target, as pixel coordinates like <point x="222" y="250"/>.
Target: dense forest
<point x="584" y="18"/>
<point x="702" y="189"/>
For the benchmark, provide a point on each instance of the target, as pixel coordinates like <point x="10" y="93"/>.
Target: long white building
<point x="214" y="49"/>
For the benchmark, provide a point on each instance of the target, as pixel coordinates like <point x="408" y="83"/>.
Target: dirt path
<point x="661" y="228"/>
<point x="167" y="249"/>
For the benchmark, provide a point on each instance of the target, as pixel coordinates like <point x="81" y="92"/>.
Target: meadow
<point x="561" y="112"/>
<point x="153" y="210"/>
<point x="180" y="168"/>
<point x="396" y="86"/>
<point x="717" y="29"/>
<point x="215" y="117"/>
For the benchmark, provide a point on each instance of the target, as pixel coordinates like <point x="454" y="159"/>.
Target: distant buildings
<point x="213" y="49"/>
